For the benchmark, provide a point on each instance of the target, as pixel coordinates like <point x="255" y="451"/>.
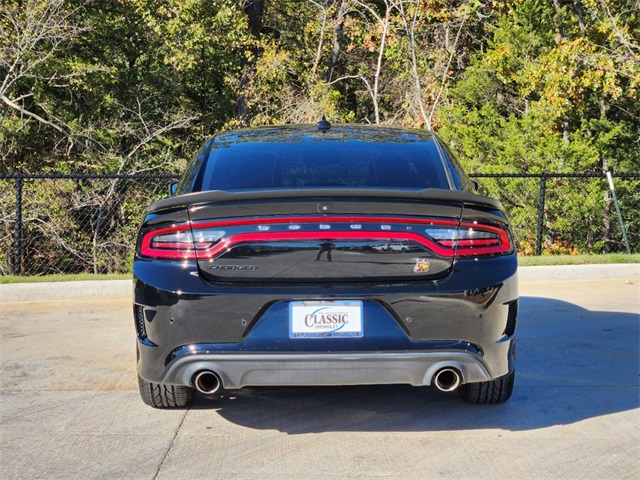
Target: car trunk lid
<point x="281" y="237"/>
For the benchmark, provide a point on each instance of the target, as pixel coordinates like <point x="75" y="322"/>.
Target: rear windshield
<point x="314" y="164"/>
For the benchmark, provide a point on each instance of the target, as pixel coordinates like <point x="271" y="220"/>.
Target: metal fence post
<point x="17" y="259"/>
<point x="543" y="192"/>
<point x="615" y="201"/>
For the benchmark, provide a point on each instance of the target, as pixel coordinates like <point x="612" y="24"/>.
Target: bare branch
<point x="446" y="70"/>
<point x="38" y="30"/>
<point x="316" y="61"/>
<point x="414" y="60"/>
<point x="373" y="13"/>
<point x="22" y="110"/>
<point x="360" y="77"/>
<point x="345" y="77"/>
<point x="384" y="25"/>
<point x="614" y="25"/>
<point x="46" y="225"/>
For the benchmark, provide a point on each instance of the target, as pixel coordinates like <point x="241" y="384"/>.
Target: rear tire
<point x="496" y="391"/>
<point x="159" y="395"/>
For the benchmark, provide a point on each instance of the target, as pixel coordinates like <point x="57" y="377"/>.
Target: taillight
<point x="472" y="238"/>
<point x="177" y="242"/>
<point x="207" y="240"/>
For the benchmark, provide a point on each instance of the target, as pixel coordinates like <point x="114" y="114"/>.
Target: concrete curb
<point x="35" y="292"/>
<point x="43" y="291"/>
<point x="628" y="271"/>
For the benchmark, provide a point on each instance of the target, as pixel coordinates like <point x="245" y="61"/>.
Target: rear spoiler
<point x="222" y="196"/>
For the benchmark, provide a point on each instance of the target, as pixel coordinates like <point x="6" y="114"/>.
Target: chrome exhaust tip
<point x="207" y="382"/>
<point x="447" y="379"/>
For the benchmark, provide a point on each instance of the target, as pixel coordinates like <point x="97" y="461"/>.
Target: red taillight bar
<point x="445" y="248"/>
<point x="470" y="243"/>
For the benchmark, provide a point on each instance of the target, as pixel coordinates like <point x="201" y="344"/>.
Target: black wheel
<point x="159" y="395"/>
<point x="496" y="391"/>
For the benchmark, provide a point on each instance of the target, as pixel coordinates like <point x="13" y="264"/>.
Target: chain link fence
<point x="568" y="213"/>
<point x="73" y="223"/>
<point x="88" y="223"/>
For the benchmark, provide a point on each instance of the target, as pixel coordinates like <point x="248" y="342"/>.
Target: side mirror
<point x="173" y="186"/>
<point x="475" y="184"/>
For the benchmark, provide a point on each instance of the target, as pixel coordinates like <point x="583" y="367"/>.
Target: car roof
<point x="311" y="133"/>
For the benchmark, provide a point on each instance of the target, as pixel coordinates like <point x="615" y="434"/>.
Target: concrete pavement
<point x="69" y="405"/>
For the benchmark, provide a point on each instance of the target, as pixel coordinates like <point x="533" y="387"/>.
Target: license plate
<point x="325" y="319"/>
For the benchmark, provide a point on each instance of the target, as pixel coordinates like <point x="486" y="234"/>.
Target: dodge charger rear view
<point x="343" y="255"/>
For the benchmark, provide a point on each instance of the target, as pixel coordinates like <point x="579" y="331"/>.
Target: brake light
<point x="472" y="238"/>
<point x="177" y="242"/>
<point x="207" y="240"/>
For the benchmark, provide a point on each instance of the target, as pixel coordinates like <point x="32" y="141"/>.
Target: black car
<point x="325" y="255"/>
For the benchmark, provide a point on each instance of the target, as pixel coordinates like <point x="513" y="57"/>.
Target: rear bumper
<point x="413" y="368"/>
<point x="412" y="330"/>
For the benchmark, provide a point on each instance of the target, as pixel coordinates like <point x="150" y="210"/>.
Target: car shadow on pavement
<point x="573" y="364"/>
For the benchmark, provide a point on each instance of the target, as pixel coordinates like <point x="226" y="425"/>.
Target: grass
<point x="529" y="261"/>
<point x="577" y="259"/>
<point x="62" y="278"/>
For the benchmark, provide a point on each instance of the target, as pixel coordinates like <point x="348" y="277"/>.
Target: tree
<point x="32" y="34"/>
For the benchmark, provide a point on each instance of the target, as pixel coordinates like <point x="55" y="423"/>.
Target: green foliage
<point x="137" y="85"/>
<point x="555" y="90"/>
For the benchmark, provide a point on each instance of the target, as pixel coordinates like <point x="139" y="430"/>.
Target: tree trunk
<point x="577" y="6"/>
<point x="255" y="13"/>
<point x="337" y="22"/>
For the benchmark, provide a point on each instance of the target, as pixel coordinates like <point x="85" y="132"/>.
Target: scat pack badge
<point x="422" y="265"/>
